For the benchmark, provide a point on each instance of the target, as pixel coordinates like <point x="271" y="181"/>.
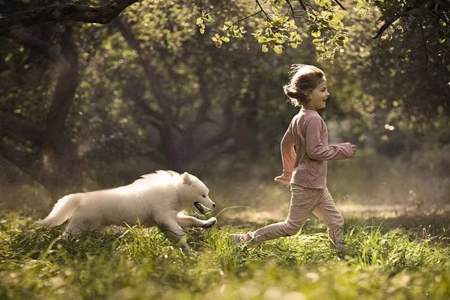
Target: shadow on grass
<point x="435" y="227"/>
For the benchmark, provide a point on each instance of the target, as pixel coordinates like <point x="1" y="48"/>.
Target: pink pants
<point x="305" y="201"/>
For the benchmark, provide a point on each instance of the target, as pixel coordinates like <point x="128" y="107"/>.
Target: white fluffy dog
<point x="154" y="199"/>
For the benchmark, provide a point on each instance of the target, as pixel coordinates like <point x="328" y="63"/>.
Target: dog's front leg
<point x="174" y="233"/>
<point x="186" y="221"/>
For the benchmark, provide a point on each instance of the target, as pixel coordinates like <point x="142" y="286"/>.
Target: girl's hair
<point x="304" y="79"/>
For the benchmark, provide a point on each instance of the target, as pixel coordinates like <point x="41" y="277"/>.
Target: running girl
<point x="305" y="152"/>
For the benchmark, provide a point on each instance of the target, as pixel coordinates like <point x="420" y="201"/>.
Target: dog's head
<point x="196" y="193"/>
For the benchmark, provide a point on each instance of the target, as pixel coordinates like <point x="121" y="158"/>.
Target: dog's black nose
<point x="214" y="205"/>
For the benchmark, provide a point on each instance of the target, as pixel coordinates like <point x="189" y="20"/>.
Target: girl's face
<point x="318" y="97"/>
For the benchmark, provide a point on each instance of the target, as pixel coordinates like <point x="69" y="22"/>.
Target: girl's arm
<point x="288" y="156"/>
<point x="318" y="149"/>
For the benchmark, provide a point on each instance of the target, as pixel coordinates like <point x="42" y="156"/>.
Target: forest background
<point x="197" y="86"/>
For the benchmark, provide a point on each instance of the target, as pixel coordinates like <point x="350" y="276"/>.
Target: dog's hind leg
<point x="78" y="225"/>
<point x="62" y="210"/>
<point x="186" y="221"/>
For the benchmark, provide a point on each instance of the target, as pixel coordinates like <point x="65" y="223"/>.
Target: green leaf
<point x="278" y="49"/>
<point x="199" y="21"/>
<point x="315" y="34"/>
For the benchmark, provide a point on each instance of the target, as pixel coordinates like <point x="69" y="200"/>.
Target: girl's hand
<point x="352" y="148"/>
<point x="283" y="179"/>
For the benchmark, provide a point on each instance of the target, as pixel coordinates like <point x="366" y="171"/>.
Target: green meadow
<point x="385" y="260"/>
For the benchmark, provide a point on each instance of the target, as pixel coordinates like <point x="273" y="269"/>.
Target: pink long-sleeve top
<point x="305" y="150"/>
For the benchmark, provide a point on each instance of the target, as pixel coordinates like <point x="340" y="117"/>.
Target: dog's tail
<point x="63" y="210"/>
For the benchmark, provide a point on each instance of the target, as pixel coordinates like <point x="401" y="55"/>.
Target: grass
<point x="139" y="263"/>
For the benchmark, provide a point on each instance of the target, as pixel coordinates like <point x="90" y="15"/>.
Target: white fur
<point x="154" y="199"/>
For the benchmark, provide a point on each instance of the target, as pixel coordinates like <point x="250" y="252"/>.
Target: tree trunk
<point x="246" y="134"/>
<point x="59" y="162"/>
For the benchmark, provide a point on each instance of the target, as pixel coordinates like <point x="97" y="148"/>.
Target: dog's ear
<point x="186" y="178"/>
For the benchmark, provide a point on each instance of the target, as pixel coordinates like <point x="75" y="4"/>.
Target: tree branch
<point x="249" y="16"/>
<point x="390" y="21"/>
<point x="26" y="38"/>
<point x="443" y="18"/>
<point x="146" y="114"/>
<point x="64" y="13"/>
<point x="152" y="77"/>
<point x="202" y="112"/>
<point x="302" y="5"/>
<point x="291" y="8"/>
<point x="262" y="9"/>
<point x="222" y="136"/>
<point x="340" y="4"/>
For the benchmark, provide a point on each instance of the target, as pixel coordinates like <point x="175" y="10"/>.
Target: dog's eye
<point x="204" y="196"/>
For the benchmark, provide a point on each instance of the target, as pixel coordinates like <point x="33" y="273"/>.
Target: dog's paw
<point x="210" y="222"/>
<point x="185" y="249"/>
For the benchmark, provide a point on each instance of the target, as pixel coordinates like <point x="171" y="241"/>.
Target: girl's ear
<point x="308" y="95"/>
<point x="186" y="178"/>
